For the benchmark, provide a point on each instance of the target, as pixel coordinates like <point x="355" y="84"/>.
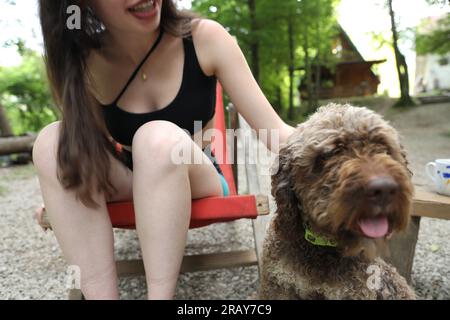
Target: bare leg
<point x="84" y="235"/>
<point x="162" y="200"/>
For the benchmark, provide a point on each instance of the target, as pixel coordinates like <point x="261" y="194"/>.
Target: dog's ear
<point x="404" y="155"/>
<point x="397" y="150"/>
<point x="282" y="187"/>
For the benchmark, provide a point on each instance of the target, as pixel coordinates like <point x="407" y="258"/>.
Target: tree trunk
<point x="5" y="127"/>
<point x="315" y="99"/>
<point x="291" y="69"/>
<point x="402" y="68"/>
<point x="309" y="81"/>
<point x="254" y="46"/>
<point x="278" y="102"/>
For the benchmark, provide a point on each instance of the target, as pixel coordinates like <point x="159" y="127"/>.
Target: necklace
<point x="141" y="65"/>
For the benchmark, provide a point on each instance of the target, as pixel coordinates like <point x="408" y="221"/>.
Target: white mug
<point x="439" y="172"/>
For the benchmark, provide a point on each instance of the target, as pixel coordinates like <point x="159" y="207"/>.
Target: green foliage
<point x="24" y="92"/>
<point x="315" y="19"/>
<point x="23" y="172"/>
<point x="436" y="41"/>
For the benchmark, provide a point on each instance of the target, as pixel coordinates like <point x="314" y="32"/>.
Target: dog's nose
<point x="382" y="189"/>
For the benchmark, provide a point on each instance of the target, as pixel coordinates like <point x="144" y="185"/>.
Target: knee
<point x="157" y="143"/>
<point x="45" y="148"/>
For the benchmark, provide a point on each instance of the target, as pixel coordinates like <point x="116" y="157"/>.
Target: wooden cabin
<point x="352" y="75"/>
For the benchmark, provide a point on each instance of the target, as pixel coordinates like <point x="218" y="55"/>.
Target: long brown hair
<point x="83" y="162"/>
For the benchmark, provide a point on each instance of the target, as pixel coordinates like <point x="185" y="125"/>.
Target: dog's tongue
<point x="374" y="227"/>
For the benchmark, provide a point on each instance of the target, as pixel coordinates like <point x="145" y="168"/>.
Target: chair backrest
<point x="220" y="148"/>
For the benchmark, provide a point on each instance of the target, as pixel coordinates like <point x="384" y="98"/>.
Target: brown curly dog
<point x="342" y="187"/>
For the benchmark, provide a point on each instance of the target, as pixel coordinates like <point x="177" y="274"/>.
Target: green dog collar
<point x="318" y="240"/>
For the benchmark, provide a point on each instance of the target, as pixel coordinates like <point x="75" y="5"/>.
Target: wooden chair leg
<point x="402" y="248"/>
<point x="254" y="183"/>
<point x="75" y="294"/>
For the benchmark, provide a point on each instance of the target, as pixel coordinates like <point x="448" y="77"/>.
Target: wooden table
<point x="428" y="203"/>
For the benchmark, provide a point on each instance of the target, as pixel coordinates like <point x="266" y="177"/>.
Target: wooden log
<point x="19" y="144"/>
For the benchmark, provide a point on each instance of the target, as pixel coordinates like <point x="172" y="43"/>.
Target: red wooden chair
<point x="204" y="212"/>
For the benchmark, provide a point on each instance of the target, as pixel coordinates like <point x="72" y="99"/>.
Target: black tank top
<point x="195" y="101"/>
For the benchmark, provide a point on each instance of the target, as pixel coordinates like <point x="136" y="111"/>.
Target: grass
<point x="23" y="172"/>
<point x="376" y="103"/>
<point x="3" y="190"/>
<point x="18" y="172"/>
<point x="395" y="111"/>
<point x="380" y="104"/>
<point x="446" y="134"/>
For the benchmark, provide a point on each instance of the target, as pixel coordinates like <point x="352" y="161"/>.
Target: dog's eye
<point x="383" y="149"/>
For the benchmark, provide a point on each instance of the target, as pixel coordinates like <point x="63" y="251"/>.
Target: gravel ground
<point x="426" y="136"/>
<point x="31" y="266"/>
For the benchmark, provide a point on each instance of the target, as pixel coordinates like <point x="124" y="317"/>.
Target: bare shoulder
<point x="205" y="27"/>
<point x="210" y="41"/>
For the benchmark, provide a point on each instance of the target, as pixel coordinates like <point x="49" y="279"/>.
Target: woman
<point x="174" y="60"/>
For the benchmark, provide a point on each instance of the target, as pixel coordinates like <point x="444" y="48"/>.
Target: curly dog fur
<point x="321" y="181"/>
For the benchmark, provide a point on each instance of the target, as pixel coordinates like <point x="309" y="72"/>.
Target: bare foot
<point x="39" y="217"/>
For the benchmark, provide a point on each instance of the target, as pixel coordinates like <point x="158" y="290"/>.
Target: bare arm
<point x="226" y="60"/>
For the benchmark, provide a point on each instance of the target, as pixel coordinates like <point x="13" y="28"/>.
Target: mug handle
<point x="430" y="169"/>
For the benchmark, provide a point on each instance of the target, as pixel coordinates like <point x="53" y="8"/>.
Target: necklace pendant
<point x="144" y="77"/>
